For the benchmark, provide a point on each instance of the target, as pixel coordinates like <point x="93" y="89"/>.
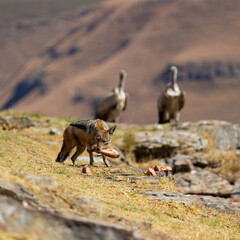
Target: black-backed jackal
<point x="85" y="134"/>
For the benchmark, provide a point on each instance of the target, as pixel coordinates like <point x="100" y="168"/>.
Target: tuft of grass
<point x="225" y="163"/>
<point x="128" y="145"/>
<point x="129" y="138"/>
<point x="211" y="144"/>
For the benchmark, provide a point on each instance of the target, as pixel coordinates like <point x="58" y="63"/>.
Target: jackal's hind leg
<point x="64" y="153"/>
<point x="80" y="149"/>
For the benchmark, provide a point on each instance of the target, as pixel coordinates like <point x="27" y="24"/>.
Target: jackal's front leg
<point x="91" y="158"/>
<point x="105" y="161"/>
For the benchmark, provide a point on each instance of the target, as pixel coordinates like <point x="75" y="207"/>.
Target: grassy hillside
<point x="29" y="152"/>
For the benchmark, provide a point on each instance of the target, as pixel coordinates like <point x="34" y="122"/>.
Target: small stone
<point x="87" y="170"/>
<point x="54" y="131"/>
<point x="182" y="164"/>
<point x="150" y="172"/>
<point x="199" y="162"/>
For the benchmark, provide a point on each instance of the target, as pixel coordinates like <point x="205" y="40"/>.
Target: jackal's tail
<point x="59" y="155"/>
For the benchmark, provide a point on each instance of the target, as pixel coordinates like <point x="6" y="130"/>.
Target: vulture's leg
<point x="166" y="117"/>
<point x="177" y="116"/>
<point x="161" y="117"/>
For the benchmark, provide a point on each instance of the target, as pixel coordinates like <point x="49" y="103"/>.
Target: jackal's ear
<point x="112" y="129"/>
<point x="100" y="126"/>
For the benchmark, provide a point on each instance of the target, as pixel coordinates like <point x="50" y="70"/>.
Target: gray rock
<point x="150" y="179"/>
<point x="203" y="182"/>
<point x="181" y="163"/>
<point x="221" y="204"/>
<point x="15" y="191"/>
<point x="199" y="162"/>
<point x="236" y="191"/>
<point x="54" y="131"/>
<point x="15" y="218"/>
<point x="134" y="169"/>
<point x="8" y="123"/>
<point x="21" y="194"/>
<point x="87" y="204"/>
<point x="225" y="135"/>
<point x="41" y="180"/>
<point x="159" y="144"/>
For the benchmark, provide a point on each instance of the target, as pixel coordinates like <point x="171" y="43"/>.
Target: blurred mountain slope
<point x="81" y="59"/>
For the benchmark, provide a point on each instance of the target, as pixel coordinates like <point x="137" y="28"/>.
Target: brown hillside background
<point x="74" y="57"/>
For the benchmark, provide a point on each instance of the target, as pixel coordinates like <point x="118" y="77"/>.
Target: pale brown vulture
<point x="111" y="106"/>
<point x="171" y="100"/>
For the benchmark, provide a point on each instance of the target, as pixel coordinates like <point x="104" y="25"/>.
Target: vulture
<point x="110" y="107"/>
<point x="171" y="100"/>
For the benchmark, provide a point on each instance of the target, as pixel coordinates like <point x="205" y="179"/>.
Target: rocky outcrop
<point x="8" y="123"/>
<point x="159" y="144"/>
<point x="87" y="204"/>
<point x="236" y="191"/>
<point x="185" y="163"/>
<point x="41" y="180"/>
<point x="224" y="134"/>
<point x="22" y="213"/>
<point x="20" y="194"/>
<point x="15" y="218"/>
<point x="208" y="201"/>
<point x="181" y="163"/>
<point x="186" y="137"/>
<point x="203" y="182"/>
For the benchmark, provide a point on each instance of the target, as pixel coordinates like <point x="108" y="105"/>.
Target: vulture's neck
<point x="121" y="84"/>
<point x="174" y="81"/>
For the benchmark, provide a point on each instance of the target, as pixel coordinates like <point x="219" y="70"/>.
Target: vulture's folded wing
<point x="181" y="100"/>
<point x="163" y="101"/>
<point x="126" y="101"/>
<point x="106" y="105"/>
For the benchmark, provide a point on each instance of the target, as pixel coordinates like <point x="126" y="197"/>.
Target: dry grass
<point x="225" y="163"/>
<point x="23" y="152"/>
<point x="211" y="144"/>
